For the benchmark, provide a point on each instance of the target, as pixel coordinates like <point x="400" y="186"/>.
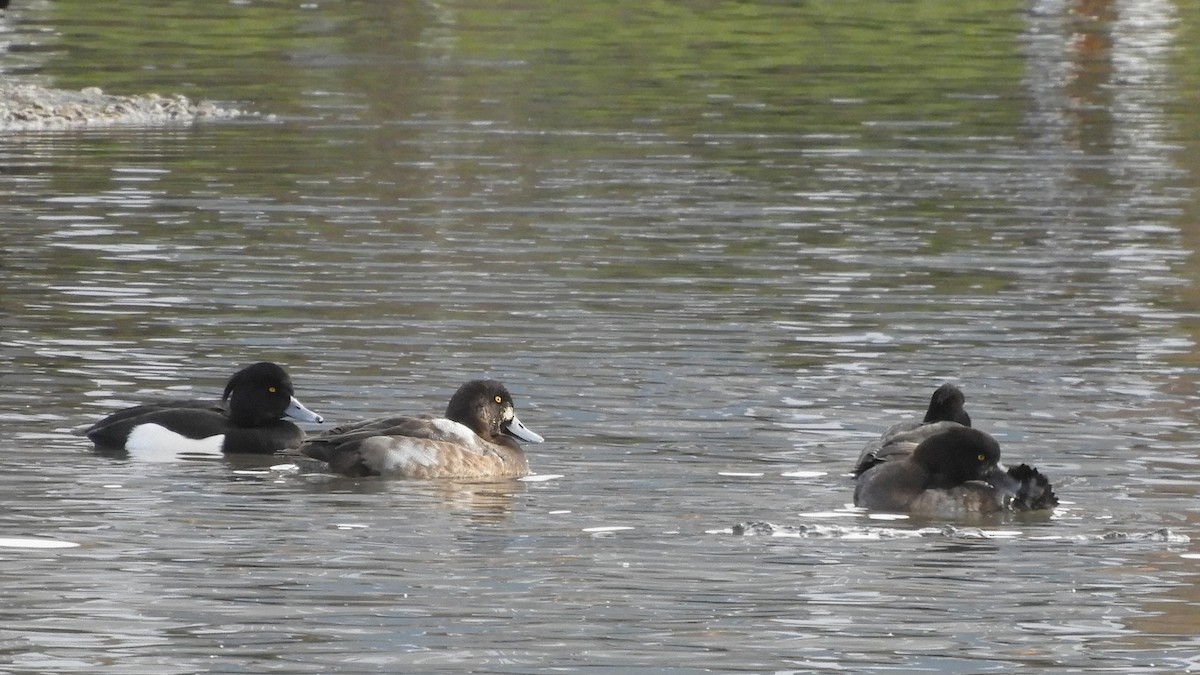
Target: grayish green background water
<point x="712" y="247"/>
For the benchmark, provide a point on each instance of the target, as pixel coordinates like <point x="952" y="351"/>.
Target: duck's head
<point x="959" y="454"/>
<point x="261" y="394"/>
<point x="946" y="405"/>
<point x="487" y="408"/>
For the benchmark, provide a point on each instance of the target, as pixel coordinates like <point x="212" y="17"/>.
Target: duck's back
<point x="898" y="442"/>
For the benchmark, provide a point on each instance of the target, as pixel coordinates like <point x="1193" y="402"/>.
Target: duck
<point x="476" y="439"/>
<point x="955" y="470"/>
<point x="247" y="420"/>
<point x="898" y="441"/>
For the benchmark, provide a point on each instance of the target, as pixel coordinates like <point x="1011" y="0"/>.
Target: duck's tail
<point x="1032" y="490"/>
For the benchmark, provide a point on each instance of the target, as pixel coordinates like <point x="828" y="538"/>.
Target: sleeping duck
<point x="476" y="439"/>
<point x="248" y="419"/>
<point x="954" y="470"/>
<point x="946" y="405"/>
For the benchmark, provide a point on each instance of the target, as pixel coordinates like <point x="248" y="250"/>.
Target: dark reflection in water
<point x="711" y="250"/>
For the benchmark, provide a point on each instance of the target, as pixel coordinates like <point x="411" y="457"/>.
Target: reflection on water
<point x="711" y="252"/>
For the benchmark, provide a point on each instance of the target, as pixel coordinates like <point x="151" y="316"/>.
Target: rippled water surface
<point x="712" y="248"/>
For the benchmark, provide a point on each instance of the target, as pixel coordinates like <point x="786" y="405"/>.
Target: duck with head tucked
<point x="248" y="419"/>
<point x="475" y="440"/>
<point x="955" y="470"/>
<point x="946" y="405"/>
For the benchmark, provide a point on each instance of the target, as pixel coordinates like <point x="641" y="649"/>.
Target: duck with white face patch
<point x="476" y="439"/>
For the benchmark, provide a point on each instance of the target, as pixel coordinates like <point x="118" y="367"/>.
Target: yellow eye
<point x="499" y="399"/>
<point x="271" y="389"/>
<point x="982" y="457"/>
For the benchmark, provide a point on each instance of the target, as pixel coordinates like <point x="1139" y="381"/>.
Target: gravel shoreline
<point x="26" y="107"/>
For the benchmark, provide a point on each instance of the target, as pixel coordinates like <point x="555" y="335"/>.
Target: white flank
<point x="461" y="432"/>
<point x="401" y="452"/>
<point x="156" y="443"/>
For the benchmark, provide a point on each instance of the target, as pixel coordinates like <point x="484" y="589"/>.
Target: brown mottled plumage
<point x="475" y="440"/>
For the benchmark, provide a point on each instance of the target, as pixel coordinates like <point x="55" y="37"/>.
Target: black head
<point x="486" y="407"/>
<point x="958" y="454"/>
<point x="946" y="405"/>
<point x="258" y="394"/>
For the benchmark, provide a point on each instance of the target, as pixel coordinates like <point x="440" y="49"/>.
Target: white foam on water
<point x="847" y="511"/>
<point x="24" y="542"/>
<point x="541" y="477"/>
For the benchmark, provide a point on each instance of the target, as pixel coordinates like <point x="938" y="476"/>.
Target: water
<point x="711" y="250"/>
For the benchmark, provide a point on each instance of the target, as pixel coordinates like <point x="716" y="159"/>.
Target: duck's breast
<point x="973" y="497"/>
